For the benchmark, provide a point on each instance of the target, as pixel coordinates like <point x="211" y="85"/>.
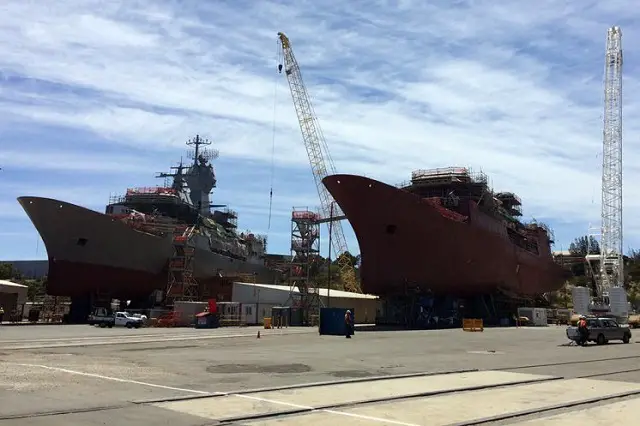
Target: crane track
<point x="507" y="416"/>
<point x="554" y="364"/>
<point x="610" y="373"/>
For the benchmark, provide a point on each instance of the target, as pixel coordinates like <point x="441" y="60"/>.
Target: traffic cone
<point x="258" y="336"/>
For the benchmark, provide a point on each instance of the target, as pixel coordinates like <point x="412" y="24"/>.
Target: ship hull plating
<point x="405" y="242"/>
<point x="93" y="252"/>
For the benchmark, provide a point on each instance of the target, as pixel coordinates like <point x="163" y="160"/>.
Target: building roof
<point x="321" y="291"/>
<point x="12" y="284"/>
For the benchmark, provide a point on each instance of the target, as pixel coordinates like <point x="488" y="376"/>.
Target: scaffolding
<point x="182" y="285"/>
<point x="510" y="202"/>
<point x="448" y="175"/>
<point x="448" y="183"/>
<point x="51" y="308"/>
<point x="305" y="250"/>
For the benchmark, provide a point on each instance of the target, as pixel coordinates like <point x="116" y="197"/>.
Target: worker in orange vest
<point x="348" y="324"/>
<point x="583" y="330"/>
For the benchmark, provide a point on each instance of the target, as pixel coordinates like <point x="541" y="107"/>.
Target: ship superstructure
<point x="454" y="191"/>
<point x="185" y="200"/>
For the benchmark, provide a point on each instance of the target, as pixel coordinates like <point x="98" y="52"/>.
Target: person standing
<point x="348" y="324"/>
<point x="583" y="330"/>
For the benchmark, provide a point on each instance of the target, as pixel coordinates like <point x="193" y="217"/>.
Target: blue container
<point x="332" y="321"/>
<point x="206" y="320"/>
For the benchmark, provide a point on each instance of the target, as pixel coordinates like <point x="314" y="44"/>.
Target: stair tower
<point x="305" y="249"/>
<point x="182" y="285"/>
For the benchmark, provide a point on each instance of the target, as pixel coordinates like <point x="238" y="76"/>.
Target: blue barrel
<point x="332" y="321"/>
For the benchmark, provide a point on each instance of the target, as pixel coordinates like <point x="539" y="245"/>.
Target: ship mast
<point x="197" y="153"/>
<point x="199" y="179"/>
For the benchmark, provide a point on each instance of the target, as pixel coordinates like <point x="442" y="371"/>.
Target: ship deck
<point x="67" y="375"/>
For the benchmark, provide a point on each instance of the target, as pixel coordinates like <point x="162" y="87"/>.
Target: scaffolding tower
<point x="182" y="285"/>
<point x="305" y="250"/>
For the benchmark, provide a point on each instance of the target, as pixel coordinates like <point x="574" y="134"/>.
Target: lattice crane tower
<point x="319" y="157"/>
<point x="611" y="260"/>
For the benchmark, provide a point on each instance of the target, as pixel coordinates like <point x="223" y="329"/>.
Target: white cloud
<point x="87" y="196"/>
<point x="512" y="89"/>
<point x="71" y="161"/>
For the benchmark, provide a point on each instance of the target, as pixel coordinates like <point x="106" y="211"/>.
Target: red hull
<point x="72" y="279"/>
<point x="406" y="241"/>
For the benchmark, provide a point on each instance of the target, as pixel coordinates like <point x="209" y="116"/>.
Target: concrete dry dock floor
<point x="80" y="375"/>
<point x="238" y="406"/>
<point x="471" y="407"/>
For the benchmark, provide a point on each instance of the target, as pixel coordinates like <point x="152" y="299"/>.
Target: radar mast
<point x="199" y="152"/>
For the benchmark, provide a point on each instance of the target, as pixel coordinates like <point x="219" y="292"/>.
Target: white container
<point x="581" y="300"/>
<point x="539" y="317"/>
<point x="250" y="313"/>
<point x="619" y="306"/>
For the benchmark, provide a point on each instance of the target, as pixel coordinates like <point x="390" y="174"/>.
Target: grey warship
<point x="124" y="252"/>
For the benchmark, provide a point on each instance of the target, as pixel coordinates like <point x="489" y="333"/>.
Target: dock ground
<point x="82" y="375"/>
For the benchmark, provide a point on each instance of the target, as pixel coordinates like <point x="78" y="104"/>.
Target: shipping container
<point x="332" y="321"/>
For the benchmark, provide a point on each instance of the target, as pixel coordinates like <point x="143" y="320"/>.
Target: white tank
<point x="581" y="299"/>
<point x="618" y="302"/>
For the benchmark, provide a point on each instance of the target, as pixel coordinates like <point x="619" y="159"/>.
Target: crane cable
<point x="273" y="134"/>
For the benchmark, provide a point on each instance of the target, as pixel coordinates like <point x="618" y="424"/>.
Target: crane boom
<point x="319" y="157"/>
<point x="611" y="261"/>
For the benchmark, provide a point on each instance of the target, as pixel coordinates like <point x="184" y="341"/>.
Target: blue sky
<point x="96" y="98"/>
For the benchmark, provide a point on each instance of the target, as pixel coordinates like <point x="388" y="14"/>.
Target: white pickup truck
<point x="126" y="320"/>
<point x="104" y="318"/>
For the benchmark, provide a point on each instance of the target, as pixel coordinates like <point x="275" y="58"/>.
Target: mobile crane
<point x="319" y="158"/>
<point x="611" y="297"/>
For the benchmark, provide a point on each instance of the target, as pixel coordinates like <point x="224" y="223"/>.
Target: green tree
<point x="353" y="259"/>
<point x="35" y="289"/>
<point x="584" y="245"/>
<point x="6" y="271"/>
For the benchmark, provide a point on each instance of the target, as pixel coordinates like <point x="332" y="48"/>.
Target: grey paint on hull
<point x="76" y="234"/>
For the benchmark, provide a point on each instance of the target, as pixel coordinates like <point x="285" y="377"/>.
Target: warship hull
<point x="92" y="252"/>
<point x="406" y="242"/>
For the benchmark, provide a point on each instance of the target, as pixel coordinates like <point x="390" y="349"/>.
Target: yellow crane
<point x="319" y="158"/>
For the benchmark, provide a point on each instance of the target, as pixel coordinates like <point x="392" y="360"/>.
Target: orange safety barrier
<point x="472" y="325"/>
